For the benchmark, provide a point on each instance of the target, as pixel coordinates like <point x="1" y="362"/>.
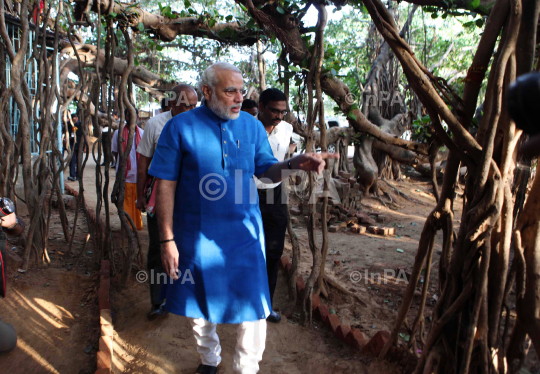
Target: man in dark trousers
<point x="75" y="138"/>
<point x="183" y="98"/>
<point x="272" y="202"/>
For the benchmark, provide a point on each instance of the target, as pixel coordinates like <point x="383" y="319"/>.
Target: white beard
<point x="223" y="111"/>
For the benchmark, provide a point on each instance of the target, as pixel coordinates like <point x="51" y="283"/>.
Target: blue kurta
<point x="217" y="222"/>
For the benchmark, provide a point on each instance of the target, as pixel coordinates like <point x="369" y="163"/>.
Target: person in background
<point x="272" y="109"/>
<point x="12" y="226"/>
<point x="211" y="231"/>
<point x="184" y="98"/>
<point x="250" y="106"/>
<point x="165" y="104"/>
<point x="130" y="195"/>
<point x="75" y="138"/>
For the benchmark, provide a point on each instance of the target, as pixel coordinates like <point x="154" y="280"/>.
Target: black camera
<point x="522" y="99"/>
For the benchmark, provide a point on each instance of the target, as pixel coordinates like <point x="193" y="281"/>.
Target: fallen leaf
<point x="399" y="250"/>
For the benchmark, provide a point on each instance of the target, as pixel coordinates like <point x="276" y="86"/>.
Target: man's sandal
<point x="206" y="369"/>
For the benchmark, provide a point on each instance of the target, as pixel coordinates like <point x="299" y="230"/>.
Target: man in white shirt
<point x="130" y="190"/>
<point x="272" y="109"/>
<point x="183" y="98"/>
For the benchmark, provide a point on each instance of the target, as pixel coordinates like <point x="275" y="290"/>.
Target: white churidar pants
<point x="250" y="344"/>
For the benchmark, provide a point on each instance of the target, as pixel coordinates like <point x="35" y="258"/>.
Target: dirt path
<point x="168" y="346"/>
<point x="55" y="310"/>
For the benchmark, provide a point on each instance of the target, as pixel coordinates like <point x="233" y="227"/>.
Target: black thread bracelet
<point x="165" y="241"/>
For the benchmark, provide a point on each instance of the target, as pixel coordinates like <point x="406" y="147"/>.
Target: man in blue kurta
<point x="211" y="232"/>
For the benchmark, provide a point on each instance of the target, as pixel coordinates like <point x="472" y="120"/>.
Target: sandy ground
<point x="54" y="310"/>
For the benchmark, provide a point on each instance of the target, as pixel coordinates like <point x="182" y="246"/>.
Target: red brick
<point x="373" y="229"/>
<point x="383" y="231"/>
<point x="342" y="331"/>
<point x="105" y="343"/>
<point x="356" y="339"/>
<point x="105" y="266"/>
<point x="300" y="286"/>
<point x="104" y="360"/>
<point x="103" y="298"/>
<point x="107" y="330"/>
<point x="333" y="322"/>
<point x="284" y="261"/>
<point x="105" y="317"/>
<point x="376" y="344"/>
<point x="315" y="302"/>
<point x="333" y="229"/>
<point x="323" y="312"/>
<point x="362" y="230"/>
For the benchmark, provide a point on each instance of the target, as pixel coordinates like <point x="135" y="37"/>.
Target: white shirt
<point x="152" y="131"/>
<point x="132" y="174"/>
<point x="279" y="140"/>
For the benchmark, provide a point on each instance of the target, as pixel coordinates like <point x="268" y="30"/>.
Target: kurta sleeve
<point x="167" y="159"/>
<point x="146" y="146"/>
<point x="264" y="157"/>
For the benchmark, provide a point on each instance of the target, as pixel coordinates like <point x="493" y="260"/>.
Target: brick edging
<point x="353" y="336"/>
<point x="105" y="351"/>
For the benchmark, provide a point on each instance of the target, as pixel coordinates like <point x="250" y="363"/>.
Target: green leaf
<point x="141" y="28"/>
<point x="474" y="4"/>
<point x="187" y="3"/>
<point x="426" y="119"/>
<point x="351" y="116"/>
<point x="294" y="68"/>
<point x="280" y="10"/>
<point x="399" y="250"/>
<point x="159" y="48"/>
<point x="112" y="14"/>
<point x="434" y="15"/>
<point x="480" y="22"/>
<point x="136" y="62"/>
<point x="229" y="18"/>
<point x="212" y="22"/>
<point x="483" y="9"/>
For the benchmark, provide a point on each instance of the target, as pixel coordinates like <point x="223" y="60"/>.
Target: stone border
<point x="105" y="352"/>
<point x="353" y="336"/>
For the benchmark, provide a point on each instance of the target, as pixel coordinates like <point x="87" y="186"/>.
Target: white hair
<point x="208" y="76"/>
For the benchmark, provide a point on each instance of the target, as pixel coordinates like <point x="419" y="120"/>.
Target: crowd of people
<point x="231" y="245"/>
